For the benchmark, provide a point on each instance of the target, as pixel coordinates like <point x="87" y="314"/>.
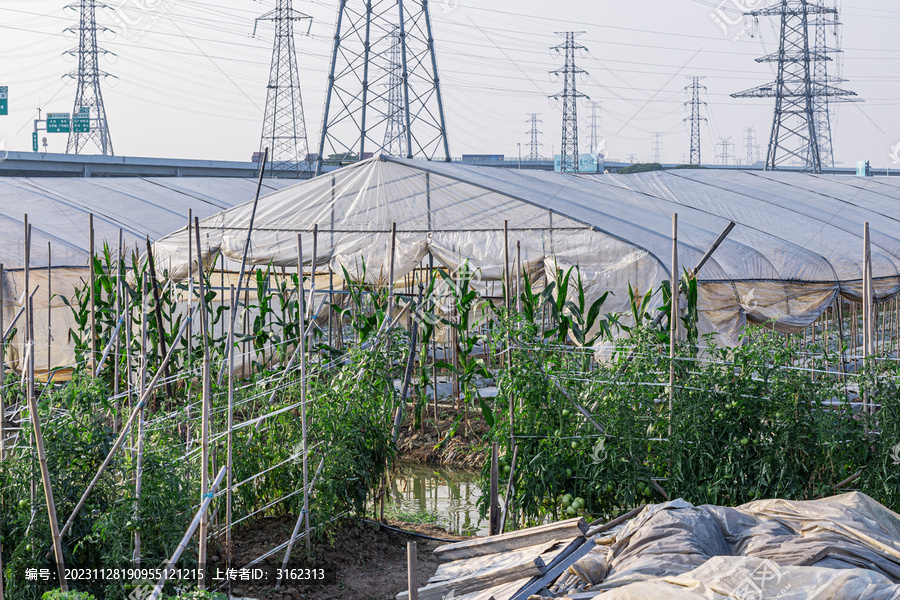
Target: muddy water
<point x="448" y="494"/>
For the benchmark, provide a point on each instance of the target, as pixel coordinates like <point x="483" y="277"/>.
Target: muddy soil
<point x="366" y="561"/>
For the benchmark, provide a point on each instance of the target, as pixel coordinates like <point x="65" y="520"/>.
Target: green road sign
<point x="59" y="123"/>
<point x="34" y="144"/>
<point x="82" y="121"/>
<point x="4" y="100"/>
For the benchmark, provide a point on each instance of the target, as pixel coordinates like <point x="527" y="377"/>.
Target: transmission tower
<point x="595" y="129"/>
<point x="750" y="146"/>
<point x="726" y="156"/>
<point x="394" y="138"/>
<point x="357" y="101"/>
<point x="657" y="147"/>
<point x="794" y="134"/>
<point x="569" y="149"/>
<point x="284" y="126"/>
<point x="632" y="158"/>
<point x="534" y="144"/>
<point x="695" y="118"/>
<point x="88" y="76"/>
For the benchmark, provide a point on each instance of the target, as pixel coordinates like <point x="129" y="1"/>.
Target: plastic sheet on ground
<point x="846" y="546"/>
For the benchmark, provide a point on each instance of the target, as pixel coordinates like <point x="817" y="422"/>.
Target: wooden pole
<point x="36" y="424"/>
<point x="206" y="408"/>
<point x="520" y="278"/>
<point x="412" y="570"/>
<point x="301" y="295"/>
<point x="507" y="293"/>
<point x="673" y="320"/>
<point x="49" y="309"/>
<point x="92" y="294"/>
<point x="160" y="326"/>
<point x="204" y="508"/>
<point x="2" y="377"/>
<point x="509" y="486"/>
<point x="120" y="307"/>
<point x="229" y="543"/>
<point x="868" y="306"/>
<point x="139" y="459"/>
<point x="495" y="503"/>
<point x="391" y="276"/>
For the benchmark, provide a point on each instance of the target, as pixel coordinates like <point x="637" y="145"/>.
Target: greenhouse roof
<point x="58" y="210"/>
<point x="798" y="239"/>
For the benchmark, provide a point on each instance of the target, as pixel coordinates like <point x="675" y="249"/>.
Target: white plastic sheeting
<point x="58" y="210"/>
<point x="846" y="546"/>
<point x="797" y="244"/>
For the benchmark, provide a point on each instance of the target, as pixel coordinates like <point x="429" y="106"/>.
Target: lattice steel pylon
<point x="727" y="155"/>
<point x="356" y="103"/>
<point x="88" y="94"/>
<point x="568" y="153"/>
<point x="535" y="134"/>
<point x="695" y="118"/>
<point x="595" y="129"/>
<point x="750" y="146"/>
<point x="794" y="134"/>
<point x="657" y="147"/>
<point x="395" y="132"/>
<point x="284" y="125"/>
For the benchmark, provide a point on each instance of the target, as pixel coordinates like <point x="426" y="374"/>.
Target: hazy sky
<point x="192" y="81"/>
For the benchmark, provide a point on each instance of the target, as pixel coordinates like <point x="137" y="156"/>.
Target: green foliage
<point x="58" y="594"/>
<point x="641" y="168"/>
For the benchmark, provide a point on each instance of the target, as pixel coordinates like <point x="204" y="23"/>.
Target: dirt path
<point x="368" y="562"/>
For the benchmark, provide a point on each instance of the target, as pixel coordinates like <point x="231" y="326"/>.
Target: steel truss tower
<point x="695" y="118"/>
<point x="284" y="126"/>
<point x="535" y="133"/>
<point x="657" y="147"/>
<point x="727" y="154"/>
<point x="795" y="136"/>
<point x="357" y="106"/>
<point x="595" y="129"/>
<point x="750" y="146"/>
<point x="569" y="149"/>
<point x="88" y="76"/>
<point x="395" y="133"/>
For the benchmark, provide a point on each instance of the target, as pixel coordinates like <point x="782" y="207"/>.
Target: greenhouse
<point x="797" y="244"/>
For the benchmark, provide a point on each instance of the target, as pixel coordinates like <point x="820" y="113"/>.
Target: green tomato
<point x="574" y="444"/>
<point x="566" y="500"/>
<point x="506" y="469"/>
<point x="719" y="414"/>
<point x="745" y="441"/>
<point x="578" y="503"/>
<point x="571" y="511"/>
<point x="23" y="503"/>
<point x="734" y="404"/>
<point x="566" y="412"/>
<point x="568" y="472"/>
<point x="609" y="488"/>
<point x="28" y="547"/>
<point x="648" y="491"/>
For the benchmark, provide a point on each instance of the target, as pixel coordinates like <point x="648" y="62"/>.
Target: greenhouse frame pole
<point x="673" y="320"/>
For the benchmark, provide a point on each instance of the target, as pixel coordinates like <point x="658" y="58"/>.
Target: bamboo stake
<point x="49" y="310"/>
<point x="92" y="303"/>
<point x="868" y="307"/>
<point x="117" y="350"/>
<point x="673" y="320"/>
<point x="229" y="463"/>
<point x="190" y="337"/>
<point x="507" y="294"/>
<point x="2" y="379"/>
<point x="118" y="443"/>
<point x="139" y="459"/>
<point x="207" y="407"/>
<point x="494" y="519"/>
<point x="519" y="278"/>
<point x="201" y="512"/>
<point x="301" y="295"/>
<point x="412" y="573"/>
<point x="160" y="327"/>
<point x="36" y="425"/>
